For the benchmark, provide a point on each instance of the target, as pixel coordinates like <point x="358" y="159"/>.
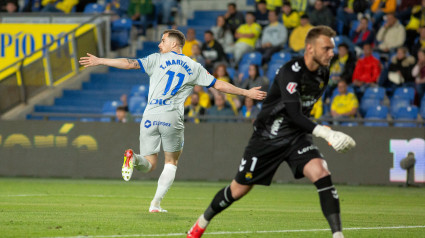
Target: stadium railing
<point x="57" y="61"/>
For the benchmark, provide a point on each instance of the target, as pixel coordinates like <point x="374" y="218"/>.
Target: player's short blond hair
<point x="317" y="31"/>
<point x="176" y="34"/>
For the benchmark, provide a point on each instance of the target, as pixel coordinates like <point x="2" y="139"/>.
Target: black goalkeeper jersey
<point x="286" y="110"/>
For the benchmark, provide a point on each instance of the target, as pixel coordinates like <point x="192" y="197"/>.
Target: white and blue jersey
<point x="172" y="78"/>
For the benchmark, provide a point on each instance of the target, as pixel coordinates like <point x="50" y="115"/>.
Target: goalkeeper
<point x="283" y="132"/>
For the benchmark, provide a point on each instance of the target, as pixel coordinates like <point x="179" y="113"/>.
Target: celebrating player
<point x="282" y="132"/>
<point x="172" y="78"/>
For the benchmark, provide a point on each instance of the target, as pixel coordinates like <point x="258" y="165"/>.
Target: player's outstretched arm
<point x="254" y="93"/>
<point x="341" y="142"/>
<point x="91" y="60"/>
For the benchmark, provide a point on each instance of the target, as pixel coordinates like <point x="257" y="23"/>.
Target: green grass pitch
<point x="112" y="208"/>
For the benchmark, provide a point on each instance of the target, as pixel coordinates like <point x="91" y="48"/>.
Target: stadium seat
<point x="244" y="70"/>
<point x="280" y="57"/>
<point x="251" y="58"/>
<point x="94" y="8"/>
<point x="272" y="71"/>
<point x="109" y="107"/>
<point x="375" y="92"/>
<point x="367" y="103"/>
<point x="120" y="33"/>
<point x="422" y="109"/>
<point x="349" y="124"/>
<point x="397" y="103"/>
<point x="376" y="113"/>
<point x="405" y="92"/>
<point x="137" y="105"/>
<point x="232" y="72"/>
<point x="139" y="91"/>
<point x="406" y="113"/>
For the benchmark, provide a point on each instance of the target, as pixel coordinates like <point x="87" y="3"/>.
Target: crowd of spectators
<point x="380" y="45"/>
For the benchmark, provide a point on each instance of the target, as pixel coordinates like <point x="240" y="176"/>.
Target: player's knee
<point x="239" y="190"/>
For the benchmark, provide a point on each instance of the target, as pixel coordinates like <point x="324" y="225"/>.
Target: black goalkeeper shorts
<point x="261" y="159"/>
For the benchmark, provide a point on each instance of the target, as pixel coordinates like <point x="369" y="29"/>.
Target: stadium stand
<point x="406" y="113"/>
<point x="376" y="113"/>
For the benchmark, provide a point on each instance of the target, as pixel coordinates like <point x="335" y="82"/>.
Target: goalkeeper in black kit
<point x="283" y="132"/>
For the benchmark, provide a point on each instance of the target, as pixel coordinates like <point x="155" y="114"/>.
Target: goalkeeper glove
<point x="338" y="140"/>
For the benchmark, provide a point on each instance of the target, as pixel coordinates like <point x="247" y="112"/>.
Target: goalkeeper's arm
<point x="338" y="140"/>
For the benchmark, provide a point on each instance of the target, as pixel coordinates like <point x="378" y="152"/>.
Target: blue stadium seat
<point x="376" y="113"/>
<point x="349" y="124"/>
<point x="109" y="107"/>
<point x="422" y="109"/>
<point x="397" y="104"/>
<point x="137" y="105"/>
<point x="139" y="91"/>
<point x="94" y="8"/>
<point x="375" y="92"/>
<point x="280" y="57"/>
<point x="251" y="58"/>
<point x="232" y="72"/>
<point x="406" y="113"/>
<point x="272" y="71"/>
<point x="367" y="103"/>
<point x="120" y="33"/>
<point x="244" y="70"/>
<point x="405" y="92"/>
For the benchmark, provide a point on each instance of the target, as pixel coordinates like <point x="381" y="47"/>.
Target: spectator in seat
<point x="366" y="72"/>
<point x="220" y="73"/>
<point x="321" y="15"/>
<point x="261" y="14"/>
<point x="255" y="79"/>
<point x="204" y="97"/>
<point x="249" y="109"/>
<point x="342" y="68"/>
<point x="363" y="35"/>
<point x="9" y="6"/>
<point x="197" y="55"/>
<point x="400" y="68"/>
<point x="381" y="7"/>
<point x="391" y="35"/>
<point x="419" y="43"/>
<point x="274" y="37"/>
<point x="290" y="17"/>
<point x="117" y="7"/>
<point x="233" y="18"/>
<point x="419" y="73"/>
<point x="223" y="34"/>
<point x="220" y="109"/>
<point x="64" y="6"/>
<point x="212" y="51"/>
<point x="247" y="35"/>
<point x="297" y="37"/>
<point x="190" y="41"/>
<point x="346" y="14"/>
<point x="345" y="104"/>
<point x="194" y="110"/>
<point x="121" y="115"/>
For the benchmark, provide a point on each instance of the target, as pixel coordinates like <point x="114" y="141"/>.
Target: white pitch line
<point x="241" y="232"/>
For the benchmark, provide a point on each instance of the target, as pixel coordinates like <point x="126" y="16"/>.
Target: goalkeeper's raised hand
<point x="339" y="141"/>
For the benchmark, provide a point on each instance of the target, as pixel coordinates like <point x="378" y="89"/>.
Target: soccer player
<point x="282" y="132"/>
<point x="172" y="78"/>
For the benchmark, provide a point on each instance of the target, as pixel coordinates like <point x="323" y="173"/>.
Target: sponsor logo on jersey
<point x="161" y="123"/>
<point x="148" y="123"/>
<point x="177" y="62"/>
<point x="160" y="102"/>
<point x="306" y="149"/>
<point x="296" y="67"/>
<point x="291" y="87"/>
<point x="276" y="125"/>
<point x="248" y="176"/>
<point x="308" y="103"/>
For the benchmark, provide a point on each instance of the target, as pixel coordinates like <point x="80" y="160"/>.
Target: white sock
<point x="202" y="222"/>
<point x="164" y="183"/>
<point x="141" y="163"/>
<point x="337" y="234"/>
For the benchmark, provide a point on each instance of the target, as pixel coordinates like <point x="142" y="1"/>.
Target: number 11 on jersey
<point x="171" y="75"/>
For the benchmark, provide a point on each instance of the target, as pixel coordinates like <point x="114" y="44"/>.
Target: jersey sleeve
<point x="203" y="78"/>
<point x="148" y="64"/>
